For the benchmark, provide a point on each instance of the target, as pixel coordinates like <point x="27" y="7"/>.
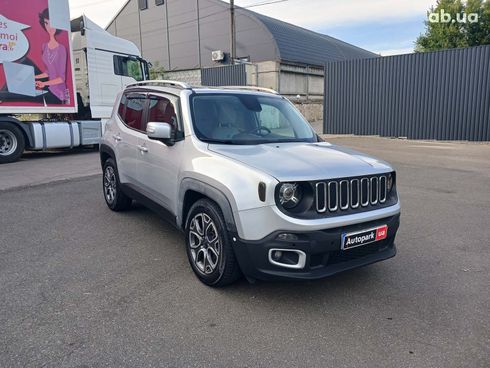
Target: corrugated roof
<point x="300" y="45"/>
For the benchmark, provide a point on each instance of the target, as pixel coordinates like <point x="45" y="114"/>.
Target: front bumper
<point x="322" y="248"/>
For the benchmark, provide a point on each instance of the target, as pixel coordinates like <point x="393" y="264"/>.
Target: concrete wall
<point x="311" y="110"/>
<point x="181" y="34"/>
<point x="192" y="76"/>
<point x="289" y="80"/>
<point x="267" y="74"/>
<point x="305" y="81"/>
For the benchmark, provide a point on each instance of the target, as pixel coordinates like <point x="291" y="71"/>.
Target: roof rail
<point x="161" y="82"/>
<point x="251" y="88"/>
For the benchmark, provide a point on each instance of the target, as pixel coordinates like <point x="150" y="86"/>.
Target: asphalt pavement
<point x="81" y="286"/>
<point x="35" y="168"/>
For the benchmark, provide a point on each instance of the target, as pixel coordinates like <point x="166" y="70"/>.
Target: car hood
<point x="303" y="161"/>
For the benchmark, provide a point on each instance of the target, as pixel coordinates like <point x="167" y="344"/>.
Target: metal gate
<point x="230" y="75"/>
<point x="441" y="95"/>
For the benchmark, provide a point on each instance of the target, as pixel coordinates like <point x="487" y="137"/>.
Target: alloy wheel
<point x="205" y="244"/>
<point x="110" y="185"/>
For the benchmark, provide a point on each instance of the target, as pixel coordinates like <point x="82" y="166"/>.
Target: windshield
<point x="248" y="119"/>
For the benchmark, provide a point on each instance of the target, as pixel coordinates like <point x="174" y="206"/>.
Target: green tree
<point x="157" y="71"/>
<point x="454" y="23"/>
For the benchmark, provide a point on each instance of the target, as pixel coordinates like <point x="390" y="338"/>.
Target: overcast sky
<point x="382" y="26"/>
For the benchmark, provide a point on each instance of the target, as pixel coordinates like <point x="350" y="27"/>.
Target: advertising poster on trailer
<point x="36" y="73"/>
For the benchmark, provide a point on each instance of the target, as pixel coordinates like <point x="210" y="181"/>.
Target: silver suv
<point x="254" y="189"/>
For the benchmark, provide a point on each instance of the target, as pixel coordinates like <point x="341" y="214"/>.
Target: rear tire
<point x="114" y="197"/>
<point x="208" y="245"/>
<point x="12" y="143"/>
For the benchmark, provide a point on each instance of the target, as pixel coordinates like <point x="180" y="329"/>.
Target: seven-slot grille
<point x="343" y="194"/>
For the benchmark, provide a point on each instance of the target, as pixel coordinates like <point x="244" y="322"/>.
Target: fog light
<point x="276" y="255"/>
<point x="287" y="237"/>
<point x="287" y="258"/>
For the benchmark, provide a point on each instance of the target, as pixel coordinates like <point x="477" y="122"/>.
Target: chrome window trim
<point x="333" y="209"/>
<point x="347" y="194"/>
<point x="373" y="201"/>
<point x="364" y="204"/>
<point x="358" y="194"/>
<point x="324" y="208"/>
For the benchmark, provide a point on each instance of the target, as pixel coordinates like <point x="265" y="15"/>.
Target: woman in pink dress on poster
<point x="54" y="56"/>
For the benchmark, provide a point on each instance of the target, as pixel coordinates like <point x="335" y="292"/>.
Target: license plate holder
<point x="363" y="237"/>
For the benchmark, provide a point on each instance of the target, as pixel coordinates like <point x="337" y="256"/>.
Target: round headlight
<point x="290" y="194"/>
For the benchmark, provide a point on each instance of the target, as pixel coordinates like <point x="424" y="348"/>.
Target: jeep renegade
<point x="254" y="189"/>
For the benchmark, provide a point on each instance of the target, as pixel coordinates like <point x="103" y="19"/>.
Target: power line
<point x="225" y="11"/>
<point x="176" y="25"/>
<point x="265" y="3"/>
<point x="233" y="25"/>
<point x="157" y="31"/>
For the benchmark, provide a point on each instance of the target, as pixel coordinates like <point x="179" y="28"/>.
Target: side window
<point x="133" y="113"/>
<point x="134" y="69"/>
<point x="128" y="67"/>
<point x="143" y="4"/>
<point x="162" y="110"/>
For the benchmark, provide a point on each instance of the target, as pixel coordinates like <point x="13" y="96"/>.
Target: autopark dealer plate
<point x="363" y="237"/>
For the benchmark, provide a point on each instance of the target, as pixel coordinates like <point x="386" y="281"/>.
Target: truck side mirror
<point x="161" y="132"/>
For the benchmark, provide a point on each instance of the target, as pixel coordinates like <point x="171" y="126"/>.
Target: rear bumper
<point x="322" y="249"/>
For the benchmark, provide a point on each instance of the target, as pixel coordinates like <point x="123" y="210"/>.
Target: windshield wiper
<point x="221" y="141"/>
<point x="252" y="141"/>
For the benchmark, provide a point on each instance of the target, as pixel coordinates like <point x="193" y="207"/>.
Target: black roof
<point x="300" y="45"/>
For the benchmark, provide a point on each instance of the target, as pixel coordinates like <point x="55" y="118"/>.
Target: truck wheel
<point x="114" y="197"/>
<point x="12" y="143"/>
<point x="209" y="246"/>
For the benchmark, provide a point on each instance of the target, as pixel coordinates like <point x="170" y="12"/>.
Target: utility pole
<point x="232" y="33"/>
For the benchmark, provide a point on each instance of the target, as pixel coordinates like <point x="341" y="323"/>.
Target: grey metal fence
<point x="230" y="75"/>
<point x="441" y="95"/>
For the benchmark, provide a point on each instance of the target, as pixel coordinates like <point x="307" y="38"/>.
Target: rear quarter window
<point x="122" y="106"/>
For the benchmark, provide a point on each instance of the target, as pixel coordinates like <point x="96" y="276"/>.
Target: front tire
<point x="12" y="143"/>
<point x="208" y="245"/>
<point x="114" y="197"/>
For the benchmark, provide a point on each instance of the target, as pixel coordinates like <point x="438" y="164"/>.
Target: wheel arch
<point x="25" y="128"/>
<point x="191" y="190"/>
<point x="106" y="152"/>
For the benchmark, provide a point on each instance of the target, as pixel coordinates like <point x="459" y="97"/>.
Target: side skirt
<point x="161" y="211"/>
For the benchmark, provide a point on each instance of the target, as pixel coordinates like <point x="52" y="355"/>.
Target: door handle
<point x="143" y="148"/>
<point x="117" y="138"/>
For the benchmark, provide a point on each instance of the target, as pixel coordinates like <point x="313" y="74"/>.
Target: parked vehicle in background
<point x="243" y="174"/>
<point x="67" y="72"/>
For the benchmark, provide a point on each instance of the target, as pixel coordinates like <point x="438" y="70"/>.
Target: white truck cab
<point x="102" y="66"/>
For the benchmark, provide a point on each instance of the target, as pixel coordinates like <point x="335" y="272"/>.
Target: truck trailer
<point x="58" y="78"/>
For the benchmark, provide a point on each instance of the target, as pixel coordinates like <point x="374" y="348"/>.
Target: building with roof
<point x="188" y="36"/>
